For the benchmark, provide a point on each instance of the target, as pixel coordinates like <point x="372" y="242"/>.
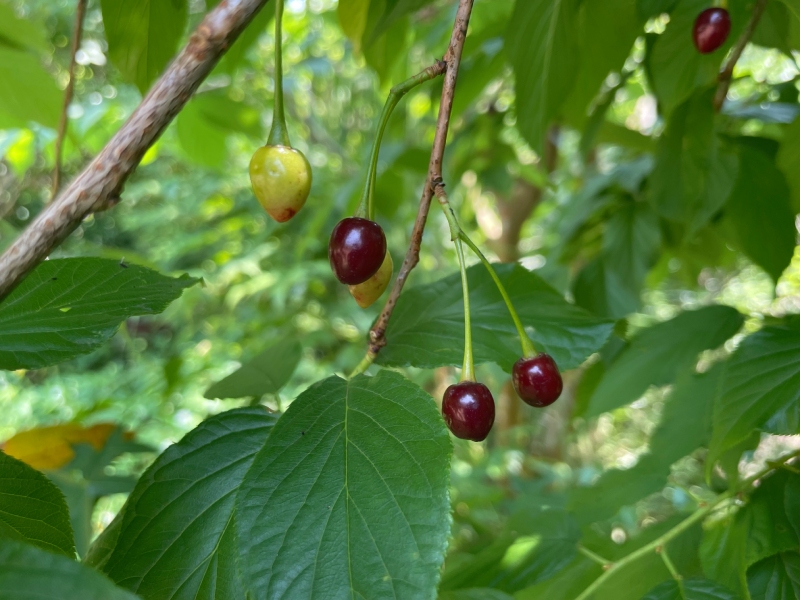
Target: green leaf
<point x="22" y="34"/>
<point x="659" y="353"/>
<point x="774" y="28"/>
<point x="788" y="159"/>
<point x="475" y="594"/>
<point x="32" y="509"/>
<point x="352" y="16"/>
<point x="647" y="9"/>
<point x="693" y="589"/>
<point x="760" y="380"/>
<point x="542" y="43"/>
<point x="677" y="69"/>
<point x="757" y="531"/>
<point x="393" y="12"/>
<point x="70" y="306"/>
<point x="695" y="171"/>
<point x="427" y="328"/>
<point x="176" y="538"/>
<point x="28" y="93"/>
<point x="266" y="373"/>
<point x="349" y="496"/>
<point x="601" y="53"/>
<point x="792" y="503"/>
<point x="383" y="51"/>
<point x="611" y="285"/>
<point x="26" y="573"/>
<point x="537" y="544"/>
<point x="760" y="208"/>
<point x="143" y="36"/>
<point x="776" y="578"/>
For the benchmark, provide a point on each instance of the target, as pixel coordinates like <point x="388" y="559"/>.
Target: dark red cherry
<point x="711" y="29"/>
<point x="356" y="250"/>
<point x="537" y="380"/>
<point x="468" y="410"/>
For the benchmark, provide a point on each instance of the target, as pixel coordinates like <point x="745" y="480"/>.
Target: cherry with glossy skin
<point x="537" y="380"/>
<point x="356" y="250"/>
<point x="711" y="29"/>
<point x="365" y="294"/>
<point x="468" y="410"/>
<point x="281" y="180"/>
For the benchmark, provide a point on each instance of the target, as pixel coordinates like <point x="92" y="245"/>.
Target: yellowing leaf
<point x="49" y="448"/>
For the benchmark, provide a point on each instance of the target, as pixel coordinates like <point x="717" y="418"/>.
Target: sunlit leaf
<point x="27" y="92"/>
<point x="50" y="448"/>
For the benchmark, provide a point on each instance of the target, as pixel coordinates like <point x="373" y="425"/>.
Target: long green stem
<point x="278" y="134"/>
<point x="673" y="571"/>
<point x="365" y="207"/>
<point x="468" y="370"/>
<point x="593" y="556"/>
<point x="695" y="517"/>
<point x="528" y="348"/>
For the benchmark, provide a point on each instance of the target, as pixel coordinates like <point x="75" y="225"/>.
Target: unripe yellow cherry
<point x="281" y="180"/>
<point x="367" y="293"/>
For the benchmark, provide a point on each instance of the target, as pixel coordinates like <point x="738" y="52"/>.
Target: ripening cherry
<point x="468" y="410"/>
<point x="537" y="380"/>
<point x="366" y="293"/>
<point x="356" y="250"/>
<point x="711" y="29"/>
<point x="281" y="180"/>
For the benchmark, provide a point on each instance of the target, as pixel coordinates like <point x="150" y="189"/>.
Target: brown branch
<point x="453" y="59"/>
<point x="80" y="10"/>
<point x="99" y="185"/>
<point x="736" y="53"/>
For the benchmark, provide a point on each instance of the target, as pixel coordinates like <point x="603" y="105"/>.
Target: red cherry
<point x="356" y="250"/>
<point x="711" y="29"/>
<point x="468" y="410"/>
<point x="537" y="380"/>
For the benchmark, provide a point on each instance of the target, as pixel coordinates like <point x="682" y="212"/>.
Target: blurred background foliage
<point x="611" y="178"/>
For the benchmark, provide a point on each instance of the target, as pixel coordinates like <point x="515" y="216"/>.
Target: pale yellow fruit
<point x="281" y="180"/>
<point x="367" y="293"/>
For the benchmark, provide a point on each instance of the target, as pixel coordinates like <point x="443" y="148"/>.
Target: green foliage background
<point x="658" y="264"/>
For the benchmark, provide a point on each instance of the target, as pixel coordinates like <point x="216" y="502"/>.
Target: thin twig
<point x="727" y="72"/>
<point x="453" y="60"/>
<point x="80" y="10"/>
<point x="99" y="185"/>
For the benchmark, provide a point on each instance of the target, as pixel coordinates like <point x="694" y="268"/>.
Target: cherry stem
<point x="528" y="349"/>
<point x="279" y="133"/>
<point x="365" y="207"/>
<point x="672" y="570"/>
<point x="468" y="370"/>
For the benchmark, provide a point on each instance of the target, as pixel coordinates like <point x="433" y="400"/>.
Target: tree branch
<point x="99" y="185"/>
<point x="453" y="59"/>
<point x="80" y="10"/>
<point x="736" y="53"/>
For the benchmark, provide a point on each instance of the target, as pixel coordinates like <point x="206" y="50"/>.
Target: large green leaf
<point x="393" y="11"/>
<point x="32" y="509"/>
<point x="676" y="67"/>
<point x="695" y="171"/>
<point x="348" y="498"/>
<point x="789" y="158"/>
<point x="760" y="208"/>
<point x="427" y="328"/>
<point x="176" y="538"/>
<point x="475" y="594"/>
<point x="775" y="578"/>
<point x="542" y="42"/>
<point x="143" y="36"/>
<point x="27" y="91"/>
<point x="760" y="384"/>
<point x="685" y="425"/>
<point x="28" y="573"/>
<point x="692" y="589"/>
<point x="70" y="306"/>
<point x="22" y="34"/>
<point x="266" y="373"/>
<point x="659" y="353"/>
<point x="383" y="51"/>
<point x="538" y="543"/>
